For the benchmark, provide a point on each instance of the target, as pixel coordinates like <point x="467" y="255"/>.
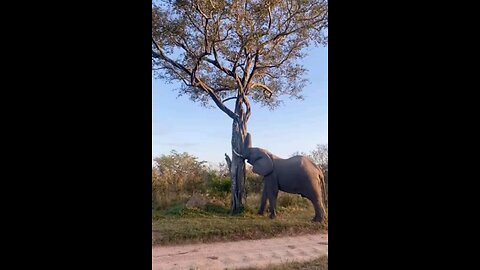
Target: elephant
<point x="297" y="175"/>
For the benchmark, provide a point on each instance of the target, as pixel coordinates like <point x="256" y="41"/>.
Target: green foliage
<point x="175" y="210"/>
<point x="218" y="184"/>
<point x="254" y="182"/>
<point x="286" y="200"/>
<point x="217" y="209"/>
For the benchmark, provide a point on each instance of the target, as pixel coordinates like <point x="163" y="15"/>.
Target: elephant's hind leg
<point x="320" y="212"/>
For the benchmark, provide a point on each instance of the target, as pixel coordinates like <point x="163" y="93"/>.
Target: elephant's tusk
<point x="235" y="152"/>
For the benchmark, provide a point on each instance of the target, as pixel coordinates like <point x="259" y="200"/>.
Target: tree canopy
<point x="222" y="49"/>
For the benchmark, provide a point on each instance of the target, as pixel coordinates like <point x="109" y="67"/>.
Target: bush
<point x="291" y="200"/>
<point x="218" y="209"/>
<point x="177" y="175"/>
<point x="218" y="184"/>
<point x="175" y="210"/>
<point x="286" y="201"/>
<point x="254" y="183"/>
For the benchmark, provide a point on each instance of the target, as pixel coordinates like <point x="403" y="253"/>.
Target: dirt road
<point x="240" y="254"/>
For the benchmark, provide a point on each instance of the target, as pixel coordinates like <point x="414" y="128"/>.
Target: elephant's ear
<point x="263" y="165"/>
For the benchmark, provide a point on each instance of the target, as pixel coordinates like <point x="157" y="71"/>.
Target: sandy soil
<point x="240" y="254"/>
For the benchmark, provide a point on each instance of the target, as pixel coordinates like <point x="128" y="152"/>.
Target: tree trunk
<point x="237" y="166"/>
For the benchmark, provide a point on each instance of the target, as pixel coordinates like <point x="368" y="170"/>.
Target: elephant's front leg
<point x="272" y="193"/>
<point x="263" y="202"/>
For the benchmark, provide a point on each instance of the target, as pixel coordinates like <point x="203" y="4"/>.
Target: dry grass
<point x="317" y="264"/>
<point x="176" y="224"/>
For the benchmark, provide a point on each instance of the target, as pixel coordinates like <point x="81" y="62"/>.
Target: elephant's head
<point x="259" y="158"/>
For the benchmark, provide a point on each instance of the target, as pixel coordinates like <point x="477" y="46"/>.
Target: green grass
<point x="176" y="224"/>
<point x="317" y="264"/>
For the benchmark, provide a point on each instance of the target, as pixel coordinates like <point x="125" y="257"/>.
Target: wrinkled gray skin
<point x="297" y="175"/>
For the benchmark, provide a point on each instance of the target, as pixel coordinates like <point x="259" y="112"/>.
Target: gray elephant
<point x="297" y="175"/>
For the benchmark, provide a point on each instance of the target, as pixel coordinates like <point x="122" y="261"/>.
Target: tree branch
<point x="238" y="55"/>
<point x="285" y="32"/>
<point x="226" y="35"/>
<point x="180" y="76"/>
<point x="269" y="20"/>
<point x="227" y="99"/>
<point x="207" y="49"/>
<point x="223" y="89"/>
<point x="201" y="12"/>
<point x="195" y="81"/>
<point x="216" y="99"/>
<point x="229" y="161"/>
<point x="162" y="56"/>
<point x="194" y="24"/>
<point x="185" y="46"/>
<point x="254" y="69"/>
<point x="217" y="64"/>
<point x="249" y="108"/>
<point x="246" y="69"/>
<point x="264" y="87"/>
<point x="296" y="46"/>
<point x="211" y="3"/>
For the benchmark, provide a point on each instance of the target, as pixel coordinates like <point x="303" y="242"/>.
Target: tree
<point x="298" y="153"/>
<point x="242" y="50"/>
<point x="320" y="156"/>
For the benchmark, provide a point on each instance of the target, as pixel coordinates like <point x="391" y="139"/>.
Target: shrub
<point x="218" y="184"/>
<point x="175" y="210"/>
<point x="291" y="200"/>
<point x="254" y="182"/>
<point x="176" y="175"/>
<point x="218" y="209"/>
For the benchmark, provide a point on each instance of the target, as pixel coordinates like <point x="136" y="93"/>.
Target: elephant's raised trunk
<point x="248" y="141"/>
<point x="246" y="145"/>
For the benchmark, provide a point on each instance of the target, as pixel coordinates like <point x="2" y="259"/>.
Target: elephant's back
<point x="285" y="166"/>
<point x="295" y="173"/>
<point x="303" y="162"/>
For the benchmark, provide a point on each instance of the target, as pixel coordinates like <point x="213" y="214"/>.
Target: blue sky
<point x="180" y="124"/>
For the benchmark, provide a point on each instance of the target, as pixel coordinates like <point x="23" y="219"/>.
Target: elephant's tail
<point x="323" y="185"/>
